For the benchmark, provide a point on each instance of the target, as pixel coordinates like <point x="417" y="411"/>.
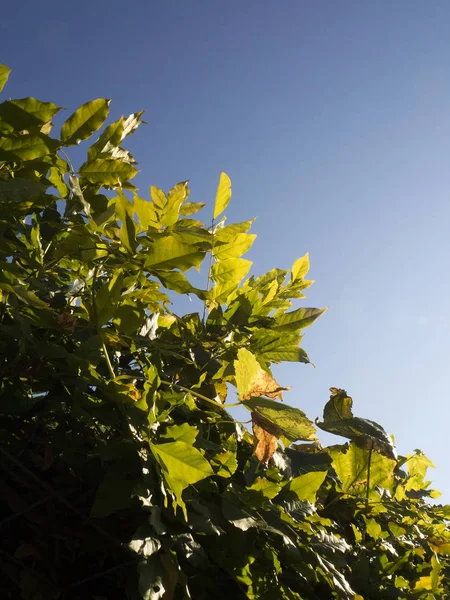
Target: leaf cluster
<point x="122" y="470"/>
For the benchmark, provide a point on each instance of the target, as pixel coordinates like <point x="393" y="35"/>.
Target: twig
<point x="208" y="281"/>
<point x="95" y="313"/>
<point x="201" y="396"/>
<point x="72" y="170"/>
<point x="368" y="477"/>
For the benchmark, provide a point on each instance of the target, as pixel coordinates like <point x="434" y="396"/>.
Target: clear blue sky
<point x="333" y="121"/>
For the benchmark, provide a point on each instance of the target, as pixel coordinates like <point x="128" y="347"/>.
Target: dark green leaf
<point x="288" y="421"/>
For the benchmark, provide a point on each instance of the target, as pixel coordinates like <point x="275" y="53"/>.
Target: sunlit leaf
<point x="124" y="214"/>
<point x="107" y="171"/>
<point x="182" y="465"/>
<point x="190" y="208"/>
<point x="252" y="379"/>
<point x="4" y="74"/>
<point x="288" y="421"/>
<point x="362" y="471"/>
<point x="305" y="486"/>
<point x="146" y="213"/>
<point x="167" y="252"/>
<point x="26" y="147"/>
<point x="85" y="121"/>
<point x="338" y="419"/>
<point x="175" y="198"/>
<point x="223" y="195"/>
<point x="298" y="319"/>
<point x="236" y="248"/>
<point x="300" y="268"/>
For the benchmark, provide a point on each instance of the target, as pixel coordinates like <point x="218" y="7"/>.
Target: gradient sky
<point x="333" y="121"/>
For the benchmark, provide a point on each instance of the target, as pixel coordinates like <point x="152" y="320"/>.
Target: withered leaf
<point x="252" y="380"/>
<point x="265" y="442"/>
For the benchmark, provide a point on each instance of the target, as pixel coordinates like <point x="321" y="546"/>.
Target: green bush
<point x="123" y="474"/>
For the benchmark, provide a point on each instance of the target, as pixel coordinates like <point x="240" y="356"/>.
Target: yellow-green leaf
<point x="239" y="246"/>
<point x="159" y="197"/>
<point x="146" y="213"/>
<point x="300" y="268"/>
<point x="306" y="486"/>
<point x="107" y="171"/>
<point x="124" y="213"/>
<point x="182" y="465"/>
<point x="223" y="195"/>
<point x="85" y="121"/>
<point x="171" y="210"/>
<point x="352" y="466"/>
<point x="167" y="253"/>
<point x="26" y="147"/>
<point x="298" y="319"/>
<point x="4" y="74"/>
<point x="230" y="270"/>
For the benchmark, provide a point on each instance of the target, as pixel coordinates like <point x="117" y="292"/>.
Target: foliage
<point x="123" y="473"/>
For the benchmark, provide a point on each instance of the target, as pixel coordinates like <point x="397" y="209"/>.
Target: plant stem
<point x="201" y="396"/>
<point x="95" y="313"/>
<point x="368" y="477"/>
<point x="72" y="170"/>
<point x="208" y="282"/>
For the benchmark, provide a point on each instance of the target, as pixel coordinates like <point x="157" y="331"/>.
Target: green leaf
<point x="230" y="270"/>
<point x="227" y="463"/>
<point x="27" y="296"/>
<point x="124" y="213"/>
<point x="85" y="121"/>
<point x="305" y="486"/>
<point x="373" y="528"/>
<point x="41" y="111"/>
<point x="288" y="421"/>
<point x="4" y="74"/>
<point x="277" y="347"/>
<point x="182" y="465"/>
<point x="229" y="232"/>
<point x="190" y="208"/>
<point x="300" y="268"/>
<point x="107" y="171"/>
<point x="239" y="246"/>
<point x="184" y="433"/>
<point x="223" y="195"/>
<point x="171" y="210"/>
<point x="338" y="419"/>
<point x="107" y="297"/>
<point x="146" y="213"/>
<point x="159" y="197"/>
<point x="167" y="252"/>
<point x="352" y="468"/>
<point x="111" y="138"/>
<point x="298" y="319"/>
<point x="26" y="147"/>
<point x="19" y="190"/>
<point x="57" y="181"/>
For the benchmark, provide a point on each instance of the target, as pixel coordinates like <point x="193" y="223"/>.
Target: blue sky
<point x="333" y="121"/>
